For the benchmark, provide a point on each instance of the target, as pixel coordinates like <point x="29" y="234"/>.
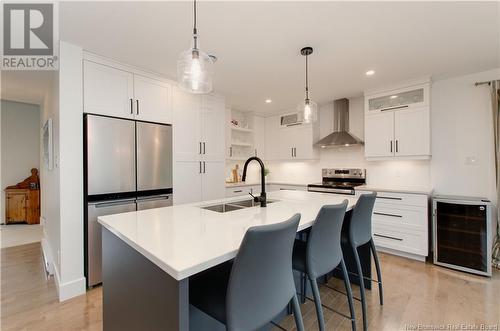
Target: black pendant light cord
<point x="195" y="30"/>
<point x="307" y="79"/>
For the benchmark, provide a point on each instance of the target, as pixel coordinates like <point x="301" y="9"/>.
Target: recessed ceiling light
<point x="269" y="100"/>
<point x="394" y="96"/>
<point x="370" y="72"/>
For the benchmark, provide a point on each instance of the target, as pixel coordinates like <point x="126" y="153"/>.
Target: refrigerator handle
<point x="114" y="203"/>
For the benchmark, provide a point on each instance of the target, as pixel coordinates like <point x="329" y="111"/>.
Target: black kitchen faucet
<point x="262" y="199"/>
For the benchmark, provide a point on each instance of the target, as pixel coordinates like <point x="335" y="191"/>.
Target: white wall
<point x="462" y="136"/>
<point x="20" y="139"/>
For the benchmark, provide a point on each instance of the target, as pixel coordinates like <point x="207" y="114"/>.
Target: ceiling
<point x="258" y="43"/>
<point x="26" y="86"/>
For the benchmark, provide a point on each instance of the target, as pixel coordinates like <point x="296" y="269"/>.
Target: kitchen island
<point x="149" y="255"/>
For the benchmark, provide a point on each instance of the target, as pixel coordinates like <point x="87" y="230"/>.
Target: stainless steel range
<point x="339" y="181"/>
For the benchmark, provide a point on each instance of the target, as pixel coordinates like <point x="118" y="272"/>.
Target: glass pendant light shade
<point x="308" y="111"/>
<point x="195" y="71"/>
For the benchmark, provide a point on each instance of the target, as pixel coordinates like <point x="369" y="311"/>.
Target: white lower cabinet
<point x="243" y="191"/>
<point x="282" y="187"/>
<point x="400" y="223"/>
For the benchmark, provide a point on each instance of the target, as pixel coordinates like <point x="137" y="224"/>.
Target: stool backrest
<point x="324" y="252"/>
<point x="261" y="282"/>
<point x="360" y="229"/>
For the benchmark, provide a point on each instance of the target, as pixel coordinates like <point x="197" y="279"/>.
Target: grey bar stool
<point x="258" y="285"/>
<point x="321" y="254"/>
<point x="360" y="233"/>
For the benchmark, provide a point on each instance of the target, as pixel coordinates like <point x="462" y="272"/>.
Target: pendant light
<point x="195" y="67"/>
<point x="307" y="110"/>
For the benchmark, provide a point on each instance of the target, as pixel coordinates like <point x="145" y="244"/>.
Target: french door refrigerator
<point x="128" y="168"/>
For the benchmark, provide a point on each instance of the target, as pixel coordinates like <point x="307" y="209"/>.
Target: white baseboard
<point x="402" y="254"/>
<point x="72" y="288"/>
<point x="66" y="290"/>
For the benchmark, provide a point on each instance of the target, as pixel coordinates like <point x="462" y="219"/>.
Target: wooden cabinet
<point x="199" y="147"/>
<point x="22" y="205"/>
<point x="125" y="94"/>
<point x="294" y="142"/>
<point x="397" y="124"/>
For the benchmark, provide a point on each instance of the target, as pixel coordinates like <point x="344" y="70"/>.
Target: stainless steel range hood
<point x="340" y="135"/>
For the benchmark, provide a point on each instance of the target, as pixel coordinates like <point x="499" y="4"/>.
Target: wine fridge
<point x="462" y="233"/>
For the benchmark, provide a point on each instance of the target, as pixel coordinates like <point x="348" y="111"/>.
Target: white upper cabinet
<point x="294" y="142"/>
<point x="379" y="135"/>
<point x="213" y="179"/>
<point x="259" y="138"/>
<point x="187" y="126"/>
<point x="412" y="132"/>
<point x="126" y="94"/>
<point x="399" y="99"/>
<point x="213" y="127"/>
<point x="107" y="91"/>
<point x="397" y="123"/>
<point x="153" y="99"/>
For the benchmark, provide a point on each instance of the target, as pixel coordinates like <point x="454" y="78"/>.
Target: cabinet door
<point x="187" y="182"/>
<point x="187" y="126"/>
<point x="213" y="128"/>
<point x="412" y="132"/>
<point x="379" y="135"/>
<point x="107" y="91"/>
<point x="213" y="180"/>
<point x="272" y="145"/>
<point x="153" y="100"/>
<point x="302" y="142"/>
<point x="16" y="207"/>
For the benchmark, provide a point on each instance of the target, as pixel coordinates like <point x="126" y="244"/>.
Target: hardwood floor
<point x="415" y="294"/>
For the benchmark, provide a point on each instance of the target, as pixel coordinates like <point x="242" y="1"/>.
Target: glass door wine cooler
<point x="462" y="234"/>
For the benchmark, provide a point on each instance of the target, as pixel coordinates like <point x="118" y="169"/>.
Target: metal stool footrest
<point x="330" y="309"/>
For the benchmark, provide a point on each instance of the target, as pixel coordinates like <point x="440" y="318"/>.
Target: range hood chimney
<point x="340" y="135"/>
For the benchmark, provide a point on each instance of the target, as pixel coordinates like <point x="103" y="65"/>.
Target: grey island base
<point x="140" y="293"/>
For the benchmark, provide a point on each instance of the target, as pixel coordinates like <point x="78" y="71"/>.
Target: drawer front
<point x="402" y="218"/>
<point x="414" y="242"/>
<point x="398" y="199"/>
<point x="237" y="191"/>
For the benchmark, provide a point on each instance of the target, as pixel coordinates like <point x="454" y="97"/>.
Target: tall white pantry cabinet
<point x="199" y="147"/>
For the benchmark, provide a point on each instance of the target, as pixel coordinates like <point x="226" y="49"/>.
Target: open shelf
<point x="237" y="128"/>
<point x="240" y="144"/>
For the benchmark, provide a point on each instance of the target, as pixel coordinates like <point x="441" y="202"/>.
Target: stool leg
<point x="348" y="290"/>
<point x="317" y="303"/>
<point x="379" y="274"/>
<point x="303" y="282"/>
<point x="297" y="314"/>
<point x="361" y="286"/>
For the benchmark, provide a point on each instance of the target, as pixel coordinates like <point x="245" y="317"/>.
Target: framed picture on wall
<point x="48" y="153"/>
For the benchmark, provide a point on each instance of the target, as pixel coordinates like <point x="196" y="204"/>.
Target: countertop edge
<point x="407" y="190"/>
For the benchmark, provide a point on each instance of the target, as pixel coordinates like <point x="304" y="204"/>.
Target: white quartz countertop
<point x="241" y="184"/>
<point x="185" y="239"/>
<point x="396" y="189"/>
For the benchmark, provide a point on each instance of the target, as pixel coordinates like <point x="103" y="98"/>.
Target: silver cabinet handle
<point x="200" y="167"/>
<point x="238" y="191"/>
<point x="389" y="198"/>
<point x="295" y="151"/>
<point x="391" y="146"/>
<point x="292" y="151"/>
<point x="204" y="151"/>
<point x="384" y="214"/>
<point x="387" y="237"/>
<point x="397" y="149"/>
<point x="204" y="167"/>
<point x="137" y="108"/>
<point x="392" y="108"/>
<point x="231" y="151"/>
<point x="131" y="106"/>
<point x="200" y="148"/>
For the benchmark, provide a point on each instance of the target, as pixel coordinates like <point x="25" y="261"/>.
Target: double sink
<point x="234" y="205"/>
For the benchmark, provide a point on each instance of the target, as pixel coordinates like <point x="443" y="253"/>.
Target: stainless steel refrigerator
<point x="128" y="168"/>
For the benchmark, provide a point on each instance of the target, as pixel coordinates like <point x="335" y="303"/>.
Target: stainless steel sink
<point x="249" y="203"/>
<point x="235" y="205"/>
